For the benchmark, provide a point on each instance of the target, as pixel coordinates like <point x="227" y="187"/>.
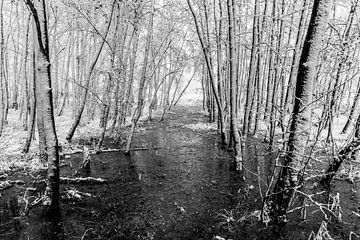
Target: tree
<point x="143" y="77"/>
<point x="210" y="72"/>
<point x="277" y="203"/>
<point x="350" y="149"/>
<point x="234" y="130"/>
<point x="45" y="105"/>
<point x="88" y="77"/>
<point x="3" y="85"/>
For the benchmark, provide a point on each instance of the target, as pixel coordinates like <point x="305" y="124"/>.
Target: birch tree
<point x="45" y="105"/>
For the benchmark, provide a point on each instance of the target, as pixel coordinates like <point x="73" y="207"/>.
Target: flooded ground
<point x="178" y="183"/>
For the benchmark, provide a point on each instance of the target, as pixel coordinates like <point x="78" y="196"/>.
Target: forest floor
<point x="178" y="182"/>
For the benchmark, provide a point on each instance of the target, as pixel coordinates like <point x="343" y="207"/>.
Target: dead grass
<point x="14" y="137"/>
<point x="202" y="126"/>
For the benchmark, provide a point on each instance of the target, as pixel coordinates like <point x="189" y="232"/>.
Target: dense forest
<point x="112" y="110"/>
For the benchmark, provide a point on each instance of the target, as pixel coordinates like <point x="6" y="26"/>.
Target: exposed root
<point x="28" y="202"/>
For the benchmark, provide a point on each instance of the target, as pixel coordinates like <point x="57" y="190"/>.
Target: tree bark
<point x="295" y="57"/>
<point x="234" y="131"/>
<point x="278" y="202"/>
<point x="31" y="129"/>
<point x="252" y="71"/>
<point x="45" y="107"/>
<point x="3" y="85"/>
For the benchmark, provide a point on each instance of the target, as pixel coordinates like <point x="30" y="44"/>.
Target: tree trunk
<point x="3" y="85"/>
<point x="65" y="90"/>
<point x="295" y="57"/>
<point x="343" y="154"/>
<point x="252" y="71"/>
<point x="140" y="100"/>
<point x="31" y="130"/>
<point x="234" y="131"/>
<point x="87" y="80"/>
<point x="277" y="203"/>
<point x="129" y="83"/>
<point x="210" y="71"/>
<point x="45" y="107"/>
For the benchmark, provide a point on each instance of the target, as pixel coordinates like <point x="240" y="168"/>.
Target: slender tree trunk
<point x="88" y="79"/>
<point x="252" y="72"/>
<point x="3" y="85"/>
<point x="122" y="62"/>
<point x="65" y="91"/>
<point x="296" y="57"/>
<point x="129" y="83"/>
<point x="210" y="70"/>
<point x="343" y="154"/>
<point x="33" y="92"/>
<point x="55" y="60"/>
<point x="234" y="131"/>
<point x="276" y="78"/>
<point x="140" y="100"/>
<point x="218" y="30"/>
<point x="271" y="80"/>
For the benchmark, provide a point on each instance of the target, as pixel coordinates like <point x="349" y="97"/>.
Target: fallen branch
<point x="7" y="184"/>
<point x="74" y="194"/>
<point x="131" y="149"/>
<point x="82" y="180"/>
<point x="356" y="214"/>
<point x="75" y="151"/>
<point x="67" y="154"/>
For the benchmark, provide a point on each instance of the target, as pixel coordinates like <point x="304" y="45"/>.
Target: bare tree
<point x="45" y="105"/>
<point x="277" y="203"/>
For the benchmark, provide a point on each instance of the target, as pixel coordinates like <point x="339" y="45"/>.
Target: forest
<point x="179" y="119"/>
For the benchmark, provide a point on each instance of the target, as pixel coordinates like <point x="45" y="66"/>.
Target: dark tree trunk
<point x="277" y="203"/>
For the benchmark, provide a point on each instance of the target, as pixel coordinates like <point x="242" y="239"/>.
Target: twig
<point x="83" y="236"/>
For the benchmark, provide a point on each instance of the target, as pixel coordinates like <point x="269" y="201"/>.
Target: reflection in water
<point x="173" y="190"/>
<point x="190" y="180"/>
<point x="9" y="214"/>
